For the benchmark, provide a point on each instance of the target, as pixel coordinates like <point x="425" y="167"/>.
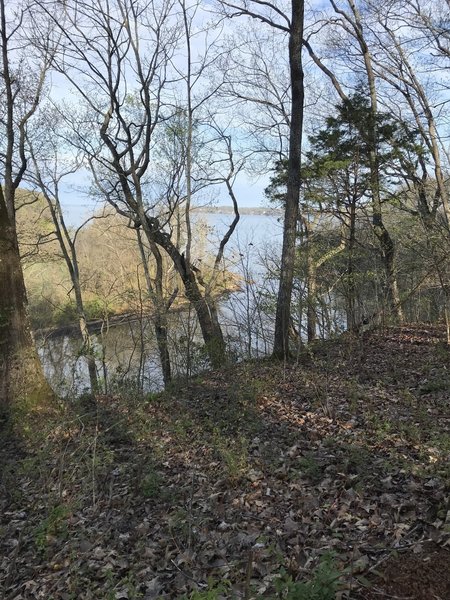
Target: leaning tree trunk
<point x="207" y="318"/>
<point x="283" y="312"/>
<point x="23" y="387"/>
<point x="88" y="350"/>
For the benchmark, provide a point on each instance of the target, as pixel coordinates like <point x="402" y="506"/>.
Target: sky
<point x="78" y="204"/>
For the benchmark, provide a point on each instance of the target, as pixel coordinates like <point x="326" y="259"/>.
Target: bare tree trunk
<point x="351" y="288"/>
<point x="88" y="349"/>
<point x="23" y="387"/>
<point x="283" y="311"/>
<point x="207" y="318"/>
<point x="385" y="240"/>
<point x="311" y="324"/>
<point x="70" y="255"/>
<point x="159" y="316"/>
<point x="69" y="252"/>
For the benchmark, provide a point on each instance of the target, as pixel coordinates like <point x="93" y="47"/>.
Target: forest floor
<point x="325" y="478"/>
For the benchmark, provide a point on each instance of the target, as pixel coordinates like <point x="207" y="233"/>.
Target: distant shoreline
<point x="114" y="320"/>
<point x="267" y="211"/>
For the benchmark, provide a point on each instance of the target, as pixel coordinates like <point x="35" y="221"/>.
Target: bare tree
<point x="398" y="63"/>
<point x="257" y="88"/>
<point x="49" y="170"/>
<point x="403" y="66"/>
<point x="161" y="303"/>
<point x="350" y="22"/>
<point x="292" y="25"/>
<point x="118" y="56"/>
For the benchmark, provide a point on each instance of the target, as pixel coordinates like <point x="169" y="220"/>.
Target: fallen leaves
<point x="227" y="482"/>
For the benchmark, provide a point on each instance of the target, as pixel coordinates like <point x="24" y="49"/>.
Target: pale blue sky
<point x="78" y="205"/>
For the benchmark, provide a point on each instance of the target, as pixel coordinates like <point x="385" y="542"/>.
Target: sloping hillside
<point x="320" y="479"/>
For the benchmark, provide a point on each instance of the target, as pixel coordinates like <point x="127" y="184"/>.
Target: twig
<point x="12" y="565"/>
<point x="94" y="456"/>
<point x="191" y="501"/>
<point x="182" y="572"/>
<point x="248" y="575"/>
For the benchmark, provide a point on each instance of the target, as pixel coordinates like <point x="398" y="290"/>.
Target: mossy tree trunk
<point x="23" y="387"/>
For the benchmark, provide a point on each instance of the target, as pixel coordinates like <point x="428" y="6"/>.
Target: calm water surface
<point x="126" y="353"/>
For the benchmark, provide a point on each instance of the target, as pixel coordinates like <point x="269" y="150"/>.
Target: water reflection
<point x="126" y="353"/>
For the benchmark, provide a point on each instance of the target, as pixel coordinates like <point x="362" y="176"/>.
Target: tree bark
<point x="207" y="317"/>
<point x="23" y="387"/>
<point x="159" y="316"/>
<point x="283" y="312"/>
<point x="88" y="350"/>
<point x="311" y="323"/>
<point x="351" y="287"/>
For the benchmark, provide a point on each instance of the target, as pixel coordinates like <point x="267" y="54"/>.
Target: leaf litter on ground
<point x="262" y="480"/>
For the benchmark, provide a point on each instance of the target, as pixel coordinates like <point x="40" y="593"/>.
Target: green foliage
<point x="54" y="525"/>
<point x="336" y="230"/>
<point x="322" y="586"/>
<point x="337" y="169"/>
<point x="179" y="524"/>
<point x="233" y="453"/>
<point x="65" y="314"/>
<point x="68" y="314"/>
<point x="41" y="312"/>
<point x="215" y="591"/>
<point x="152" y="484"/>
<point x="438" y="384"/>
<point x="311" y="468"/>
<point x="345" y="139"/>
<point x="125" y="587"/>
<point x="356" y="459"/>
<point x="45" y="313"/>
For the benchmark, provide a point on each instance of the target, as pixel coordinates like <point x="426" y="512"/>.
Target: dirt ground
<point x="421" y="576"/>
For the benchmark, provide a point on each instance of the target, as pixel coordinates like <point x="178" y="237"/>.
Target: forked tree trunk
<point x="206" y="314"/>
<point x="69" y="252"/>
<point x="23" y="387"/>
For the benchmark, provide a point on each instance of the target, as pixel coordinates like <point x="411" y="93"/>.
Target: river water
<point x="126" y="352"/>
